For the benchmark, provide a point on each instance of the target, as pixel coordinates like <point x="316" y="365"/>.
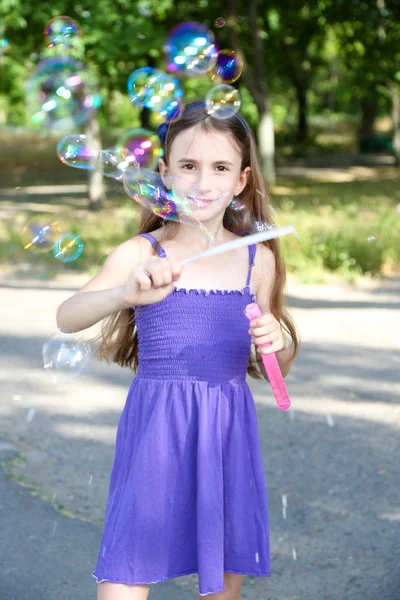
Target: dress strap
<point x="160" y="250"/>
<point x="252" y="254"/>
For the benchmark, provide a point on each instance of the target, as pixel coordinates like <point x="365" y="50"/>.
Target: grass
<point x="347" y="220"/>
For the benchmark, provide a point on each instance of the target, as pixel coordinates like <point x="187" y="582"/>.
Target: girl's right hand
<point x="151" y="281"/>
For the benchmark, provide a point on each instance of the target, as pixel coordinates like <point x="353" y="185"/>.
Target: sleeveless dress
<point x="187" y="491"/>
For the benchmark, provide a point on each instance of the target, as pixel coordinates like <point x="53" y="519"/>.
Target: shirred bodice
<point x="195" y="334"/>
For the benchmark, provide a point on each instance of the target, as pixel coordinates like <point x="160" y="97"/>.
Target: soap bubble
<point x="262" y="226"/>
<point x="40" y="233"/>
<point x="220" y="22"/>
<point x="114" y="163"/>
<point x="173" y="203"/>
<point x="61" y="94"/>
<point x="190" y="49"/>
<point x="73" y="150"/>
<point x="62" y="31"/>
<point x="68" y="247"/>
<point x="237" y="205"/>
<point x="65" y="356"/>
<point x="371" y="239"/>
<point x="229" y="66"/>
<point x="223" y="101"/>
<point x="155" y="90"/>
<point x="4" y="45"/>
<point x="140" y="147"/>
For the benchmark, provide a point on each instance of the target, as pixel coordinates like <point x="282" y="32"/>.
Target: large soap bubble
<point x="40" y="232"/>
<point x="190" y="49"/>
<point x="74" y="150"/>
<point x="223" y="101"/>
<point x="62" y="31"/>
<point x="140" y="147"/>
<point x="61" y="94"/>
<point x="65" y="357"/>
<point x="228" y="67"/>
<point x="153" y="89"/>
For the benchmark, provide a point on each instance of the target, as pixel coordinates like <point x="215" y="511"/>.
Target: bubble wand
<point x="252" y="311"/>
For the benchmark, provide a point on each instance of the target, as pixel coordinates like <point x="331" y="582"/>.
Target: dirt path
<point x="333" y="459"/>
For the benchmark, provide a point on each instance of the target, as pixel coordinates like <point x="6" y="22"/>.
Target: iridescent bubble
<point x="237" y="204"/>
<point x="371" y="239"/>
<point x="4" y="45"/>
<point x="155" y="90"/>
<point x="62" y="31"/>
<point x="65" y="357"/>
<point x="141" y="147"/>
<point x="40" y="233"/>
<point x="229" y="66"/>
<point x="61" y="94"/>
<point x="190" y="49"/>
<point x="223" y="101"/>
<point x="220" y="22"/>
<point x="73" y="150"/>
<point x="262" y="226"/>
<point x="167" y="199"/>
<point x="68" y="247"/>
<point x="114" y="163"/>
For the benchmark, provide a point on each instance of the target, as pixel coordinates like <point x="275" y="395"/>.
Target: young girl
<point x="187" y="491"/>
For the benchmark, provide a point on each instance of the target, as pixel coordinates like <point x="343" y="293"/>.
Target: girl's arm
<point x="103" y="294"/>
<point x="265" y="275"/>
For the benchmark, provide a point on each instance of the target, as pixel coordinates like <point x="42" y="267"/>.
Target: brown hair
<point x="119" y="336"/>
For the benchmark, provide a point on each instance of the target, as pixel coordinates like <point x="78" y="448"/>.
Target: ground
<point x="332" y="458"/>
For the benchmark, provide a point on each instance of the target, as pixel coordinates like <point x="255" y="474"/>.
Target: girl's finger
<point x="265" y="330"/>
<point x="176" y="268"/>
<point x="275" y="347"/>
<point x="155" y="270"/>
<point x="266" y="339"/>
<point x="142" y="278"/>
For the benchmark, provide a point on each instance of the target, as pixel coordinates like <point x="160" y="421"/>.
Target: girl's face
<point x="205" y="168"/>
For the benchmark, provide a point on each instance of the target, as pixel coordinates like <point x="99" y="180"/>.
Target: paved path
<point x="334" y="457"/>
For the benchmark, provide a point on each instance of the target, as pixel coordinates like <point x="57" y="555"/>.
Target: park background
<point x="321" y="89"/>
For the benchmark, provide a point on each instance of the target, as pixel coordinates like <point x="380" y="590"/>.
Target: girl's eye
<point x="188" y="166"/>
<point x="221" y="167"/>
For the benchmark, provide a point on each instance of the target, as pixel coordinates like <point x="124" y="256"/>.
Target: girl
<point x="187" y="491"/>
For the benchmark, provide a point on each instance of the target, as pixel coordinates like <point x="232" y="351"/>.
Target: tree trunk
<point x="266" y="143"/>
<point x="302" y="122"/>
<point x="96" y="188"/>
<point x="394" y="88"/>
<point x="368" y="112"/>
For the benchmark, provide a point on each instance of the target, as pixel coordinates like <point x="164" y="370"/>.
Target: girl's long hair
<point x="119" y="342"/>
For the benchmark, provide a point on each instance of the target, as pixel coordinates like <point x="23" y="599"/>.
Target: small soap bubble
<point x="4" y="45"/>
<point x="62" y="31"/>
<point x="220" y="22"/>
<point x="190" y="49"/>
<point x="40" y="233"/>
<point x="54" y="528"/>
<point x="330" y="421"/>
<point x="371" y="239"/>
<point x="17" y="397"/>
<point x="229" y="66"/>
<point x="113" y="163"/>
<point x="30" y="415"/>
<point x="223" y="101"/>
<point x="68" y="248"/>
<point x="65" y="357"/>
<point x="61" y="94"/>
<point x="155" y="90"/>
<point x="294" y="553"/>
<point x="260" y="226"/>
<point x="90" y="480"/>
<point x="237" y="204"/>
<point x="73" y="150"/>
<point x="141" y="36"/>
<point x="140" y="147"/>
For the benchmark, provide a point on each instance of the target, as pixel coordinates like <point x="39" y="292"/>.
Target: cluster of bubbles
<point x="43" y="234"/>
<point x="62" y="93"/>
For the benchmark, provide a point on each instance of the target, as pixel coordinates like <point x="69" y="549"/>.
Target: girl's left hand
<point x="267" y="330"/>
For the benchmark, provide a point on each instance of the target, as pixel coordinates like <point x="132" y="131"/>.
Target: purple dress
<point x="187" y="491"/>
